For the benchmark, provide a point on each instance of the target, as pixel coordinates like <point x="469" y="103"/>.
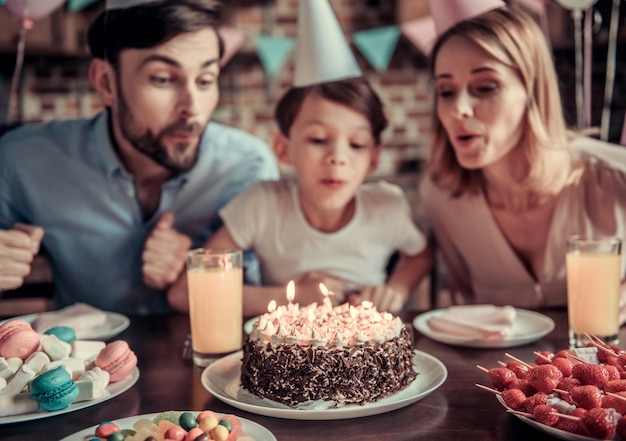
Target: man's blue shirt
<point x="66" y="177"/>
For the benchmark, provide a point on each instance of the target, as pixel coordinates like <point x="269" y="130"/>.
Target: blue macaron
<point x="63" y="333"/>
<point x="54" y="389"/>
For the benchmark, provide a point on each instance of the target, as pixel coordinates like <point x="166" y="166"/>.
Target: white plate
<point x="114" y="324"/>
<point x="552" y="431"/>
<point x="529" y="326"/>
<point x="247" y="326"/>
<point x="113" y="389"/>
<point x="255" y="430"/>
<point x="222" y="379"/>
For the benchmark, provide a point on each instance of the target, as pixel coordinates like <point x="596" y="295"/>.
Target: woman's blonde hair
<point x="512" y="38"/>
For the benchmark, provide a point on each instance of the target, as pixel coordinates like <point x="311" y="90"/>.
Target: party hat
<point x="447" y="13"/>
<point x="122" y="4"/>
<point x="322" y="52"/>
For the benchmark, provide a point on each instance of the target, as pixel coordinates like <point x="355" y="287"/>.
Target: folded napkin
<point x="80" y="316"/>
<point x="486" y="322"/>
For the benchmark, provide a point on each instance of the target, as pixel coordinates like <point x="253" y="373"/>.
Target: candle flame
<point x="291" y="291"/>
<point x="353" y="312"/>
<point x="324" y="289"/>
<point x="271" y="307"/>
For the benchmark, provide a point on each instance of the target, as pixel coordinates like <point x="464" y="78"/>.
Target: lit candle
<point x="271" y="307"/>
<point x="326" y="293"/>
<point x="291" y="295"/>
<point x="291" y="291"/>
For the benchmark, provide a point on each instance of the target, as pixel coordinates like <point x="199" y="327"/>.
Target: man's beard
<point x="184" y="156"/>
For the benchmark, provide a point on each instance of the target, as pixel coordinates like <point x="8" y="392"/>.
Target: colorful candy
<point x="106" y="428"/>
<point x="176" y="426"/>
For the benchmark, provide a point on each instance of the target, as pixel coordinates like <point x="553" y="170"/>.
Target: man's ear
<point x="281" y="149"/>
<point x="102" y="79"/>
<point x="375" y="159"/>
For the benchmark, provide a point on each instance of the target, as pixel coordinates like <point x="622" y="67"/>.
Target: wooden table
<point x="456" y="411"/>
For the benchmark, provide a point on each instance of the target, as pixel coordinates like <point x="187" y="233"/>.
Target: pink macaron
<point x="18" y="339"/>
<point x="117" y="359"/>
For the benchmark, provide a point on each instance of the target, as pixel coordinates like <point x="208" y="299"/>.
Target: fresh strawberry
<point x="545" y="377"/>
<point x="544" y="357"/>
<point x="604" y="356"/>
<point x="564" y="365"/>
<point x="567" y="384"/>
<point x="612" y="402"/>
<point x="544" y="414"/>
<point x="535" y="400"/>
<point x="621" y="359"/>
<point x="502" y="378"/>
<point x="613" y="372"/>
<point x="580" y="413"/>
<point x="593" y="374"/>
<point x="514" y="398"/>
<point x="571" y="426"/>
<point x="587" y="397"/>
<point x="600" y="423"/>
<point x="615" y="386"/>
<point x="525" y="387"/>
<point x="564" y="353"/>
<point x="520" y="369"/>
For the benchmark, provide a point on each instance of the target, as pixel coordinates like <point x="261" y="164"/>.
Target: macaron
<point x="54" y="389"/>
<point x="18" y="339"/>
<point x="117" y="359"/>
<point x="63" y="333"/>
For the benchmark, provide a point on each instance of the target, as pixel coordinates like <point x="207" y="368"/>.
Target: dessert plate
<point x="222" y="379"/>
<point x="528" y="327"/>
<point x="112" y="390"/>
<point x="552" y="431"/>
<point x="255" y="430"/>
<point x="247" y="326"/>
<point x="114" y="324"/>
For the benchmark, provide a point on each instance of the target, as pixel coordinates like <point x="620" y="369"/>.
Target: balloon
<point x="573" y="4"/>
<point x="32" y="9"/>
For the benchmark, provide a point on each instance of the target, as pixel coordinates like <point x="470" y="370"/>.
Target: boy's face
<point x="332" y="150"/>
<point x="166" y="96"/>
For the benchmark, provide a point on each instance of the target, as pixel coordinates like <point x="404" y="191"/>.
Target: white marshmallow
<point x="18" y="381"/>
<point x="73" y="366"/>
<point x="8" y="366"/>
<point x="55" y="348"/>
<point x="37" y="360"/>
<point x="92" y="384"/>
<point x="86" y="349"/>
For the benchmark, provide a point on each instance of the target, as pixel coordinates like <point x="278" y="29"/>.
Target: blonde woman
<point x="506" y="183"/>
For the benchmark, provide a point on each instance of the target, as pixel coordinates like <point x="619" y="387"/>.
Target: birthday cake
<point x="320" y="356"/>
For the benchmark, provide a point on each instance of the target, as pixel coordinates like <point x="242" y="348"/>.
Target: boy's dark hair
<point x="149" y="25"/>
<point x="354" y="93"/>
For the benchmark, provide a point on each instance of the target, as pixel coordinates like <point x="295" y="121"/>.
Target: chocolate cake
<point x="342" y="355"/>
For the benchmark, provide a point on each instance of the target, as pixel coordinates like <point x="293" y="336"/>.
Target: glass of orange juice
<point x="215" y="285"/>
<point x="593" y="288"/>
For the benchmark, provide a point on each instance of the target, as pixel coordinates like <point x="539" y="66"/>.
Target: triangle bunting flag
<point x="377" y="45"/>
<point x="273" y="51"/>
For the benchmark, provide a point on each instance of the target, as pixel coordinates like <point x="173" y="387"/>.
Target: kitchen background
<point x="53" y="80"/>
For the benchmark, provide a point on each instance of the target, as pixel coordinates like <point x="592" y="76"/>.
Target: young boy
<point x="326" y="225"/>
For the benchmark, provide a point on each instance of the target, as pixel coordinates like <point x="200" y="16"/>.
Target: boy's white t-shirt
<point x="267" y="219"/>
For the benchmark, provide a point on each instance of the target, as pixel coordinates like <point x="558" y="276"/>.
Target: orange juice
<point x="215" y="309"/>
<point x="593" y="286"/>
